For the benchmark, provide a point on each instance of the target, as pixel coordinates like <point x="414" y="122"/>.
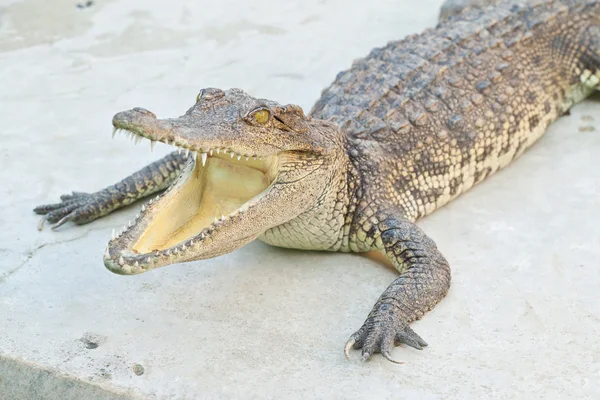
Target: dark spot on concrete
<point x="138" y="369"/>
<point x="105" y="374"/>
<point x="89" y="344"/>
<point x="86" y="4"/>
<point x="587" y="128"/>
<point x="92" y="341"/>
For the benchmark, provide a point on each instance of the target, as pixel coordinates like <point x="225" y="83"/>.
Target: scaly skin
<point x="403" y="132"/>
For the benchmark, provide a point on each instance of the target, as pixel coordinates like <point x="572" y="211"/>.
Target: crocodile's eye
<point x="261" y="116"/>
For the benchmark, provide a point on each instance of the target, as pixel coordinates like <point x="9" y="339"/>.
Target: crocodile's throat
<point x="213" y="191"/>
<point x="204" y="196"/>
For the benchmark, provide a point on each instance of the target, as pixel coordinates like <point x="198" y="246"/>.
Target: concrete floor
<point x="522" y="319"/>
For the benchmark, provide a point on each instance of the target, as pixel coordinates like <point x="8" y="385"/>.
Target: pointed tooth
<point x="129" y="223"/>
<point x="137" y="139"/>
<point x="137" y="264"/>
<point x="137" y="215"/>
<point x="218" y="151"/>
<point x="186" y="152"/>
<point x="203" y="159"/>
<point x="179" y="150"/>
<point x="168" y="252"/>
<point x="202" y="236"/>
<point x="239" y="158"/>
<point x="216" y="220"/>
<point x="113" y="235"/>
<point x="210" y="152"/>
<point x="114" y="132"/>
<point x="175" y="250"/>
<point x="247" y="158"/>
<point x="232" y="154"/>
<point x="152" y="144"/>
<point x="121" y="261"/>
<point x="143" y="207"/>
<point x="106" y="253"/>
<point x="222" y="217"/>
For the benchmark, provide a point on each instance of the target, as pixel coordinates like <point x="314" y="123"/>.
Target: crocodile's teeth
<point x="194" y="155"/>
<point x="186" y="152"/>
<point x="216" y="220"/>
<point x="121" y="261"/>
<point x="143" y="208"/>
<point x="152" y="144"/>
<point x="218" y="151"/>
<point x="232" y="154"/>
<point x="202" y="235"/>
<point x="113" y="235"/>
<point x="175" y="250"/>
<point x="239" y="158"/>
<point x="203" y="159"/>
<point x="210" y="152"/>
<point x="106" y="253"/>
<point x="114" y="132"/>
<point x="222" y="217"/>
<point x="137" y="264"/>
<point x="129" y="223"/>
<point x="137" y="139"/>
<point x="168" y="252"/>
<point x="179" y="150"/>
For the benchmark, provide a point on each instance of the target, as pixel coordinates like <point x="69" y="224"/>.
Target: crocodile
<point x="399" y="134"/>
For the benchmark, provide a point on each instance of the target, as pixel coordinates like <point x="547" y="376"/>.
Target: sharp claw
<point x="348" y="346"/>
<point x="389" y="358"/>
<point x="365" y="356"/>
<point x="62" y="221"/>
<point x="41" y="223"/>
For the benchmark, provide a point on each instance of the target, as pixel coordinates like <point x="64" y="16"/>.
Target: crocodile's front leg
<point x="424" y="282"/>
<point x="82" y="208"/>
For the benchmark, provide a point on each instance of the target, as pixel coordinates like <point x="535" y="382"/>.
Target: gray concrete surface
<point x="522" y="319"/>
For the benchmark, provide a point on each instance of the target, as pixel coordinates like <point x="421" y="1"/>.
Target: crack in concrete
<point x="31" y="253"/>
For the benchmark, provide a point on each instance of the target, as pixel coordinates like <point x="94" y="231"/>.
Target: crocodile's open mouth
<point x="214" y="189"/>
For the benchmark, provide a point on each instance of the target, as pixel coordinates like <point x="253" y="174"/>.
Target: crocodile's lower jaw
<point x="175" y="226"/>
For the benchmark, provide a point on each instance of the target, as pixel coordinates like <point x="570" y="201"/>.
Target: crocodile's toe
<point x="381" y="335"/>
<point x="77" y="207"/>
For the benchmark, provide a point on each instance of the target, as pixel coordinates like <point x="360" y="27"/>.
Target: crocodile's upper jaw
<point x="246" y="174"/>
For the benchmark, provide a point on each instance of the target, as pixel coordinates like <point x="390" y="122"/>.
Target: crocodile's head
<point x="253" y="165"/>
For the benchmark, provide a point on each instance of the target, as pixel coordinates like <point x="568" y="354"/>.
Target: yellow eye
<point x="261" y="116"/>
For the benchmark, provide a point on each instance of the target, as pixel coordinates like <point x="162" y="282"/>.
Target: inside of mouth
<point x="216" y="189"/>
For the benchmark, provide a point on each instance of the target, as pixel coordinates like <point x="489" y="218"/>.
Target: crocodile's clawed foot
<point x="382" y="336"/>
<point x="78" y="207"/>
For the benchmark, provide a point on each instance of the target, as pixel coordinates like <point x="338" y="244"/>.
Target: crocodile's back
<point x="432" y="115"/>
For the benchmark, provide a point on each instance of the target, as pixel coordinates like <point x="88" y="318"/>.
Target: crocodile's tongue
<point x="211" y="191"/>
